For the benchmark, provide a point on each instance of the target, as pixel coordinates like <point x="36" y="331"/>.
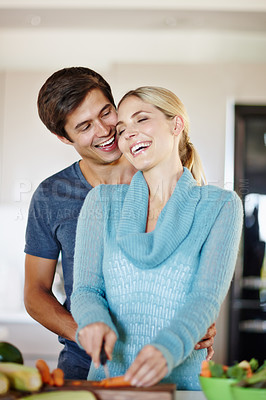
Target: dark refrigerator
<point x="247" y="304"/>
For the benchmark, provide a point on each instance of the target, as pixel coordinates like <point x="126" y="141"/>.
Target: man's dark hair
<point x="64" y="91"/>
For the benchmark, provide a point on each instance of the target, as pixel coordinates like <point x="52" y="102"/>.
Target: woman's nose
<point x="130" y="132"/>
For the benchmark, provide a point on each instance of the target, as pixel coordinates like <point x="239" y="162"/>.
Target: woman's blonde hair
<point x="170" y="105"/>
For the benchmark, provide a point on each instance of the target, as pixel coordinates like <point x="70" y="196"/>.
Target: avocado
<point x="10" y="353"/>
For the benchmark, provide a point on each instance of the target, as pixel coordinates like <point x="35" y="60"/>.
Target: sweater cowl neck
<point x="148" y="250"/>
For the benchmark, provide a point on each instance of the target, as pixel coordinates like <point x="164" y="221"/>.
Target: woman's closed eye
<point x="142" y="119"/>
<point x="120" y="131"/>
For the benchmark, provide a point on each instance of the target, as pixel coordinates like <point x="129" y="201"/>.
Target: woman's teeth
<point x="139" y="147"/>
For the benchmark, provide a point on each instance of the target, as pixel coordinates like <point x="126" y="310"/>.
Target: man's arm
<point x="40" y="301"/>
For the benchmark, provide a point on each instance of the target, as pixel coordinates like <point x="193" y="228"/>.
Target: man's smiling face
<point x="91" y="128"/>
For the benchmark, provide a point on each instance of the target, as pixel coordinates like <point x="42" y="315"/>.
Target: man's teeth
<point x="139" y="147"/>
<point x="110" y="141"/>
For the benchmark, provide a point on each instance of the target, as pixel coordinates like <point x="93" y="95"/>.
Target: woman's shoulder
<point x="212" y="192"/>
<point x="219" y="197"/>
<point x="208" y="192"/>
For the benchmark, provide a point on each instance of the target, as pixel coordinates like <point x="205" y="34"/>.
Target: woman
<point x="155" y="261"/>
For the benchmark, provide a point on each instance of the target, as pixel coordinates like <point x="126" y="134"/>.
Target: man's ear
<point x="178" y="125"/>
<point x="63" y="139"/>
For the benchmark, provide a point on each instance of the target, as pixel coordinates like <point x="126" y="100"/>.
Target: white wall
<point x="38" y="48"/>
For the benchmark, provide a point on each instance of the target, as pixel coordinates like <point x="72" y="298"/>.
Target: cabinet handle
<point x="253" y="325"/>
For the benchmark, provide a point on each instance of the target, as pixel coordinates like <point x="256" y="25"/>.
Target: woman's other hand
<point x="91" y="338"/>
<point x="207" y="342"/>
<point x="148" y="368"/>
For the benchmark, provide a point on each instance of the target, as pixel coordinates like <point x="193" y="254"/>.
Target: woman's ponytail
<point x="191" y="160"/>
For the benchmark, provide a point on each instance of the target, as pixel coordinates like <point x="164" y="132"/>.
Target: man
<point x="76" y="104"/>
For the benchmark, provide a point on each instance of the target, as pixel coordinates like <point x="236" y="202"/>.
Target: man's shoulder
<point x="65" y="173"/>
<point x="67" y="183"/>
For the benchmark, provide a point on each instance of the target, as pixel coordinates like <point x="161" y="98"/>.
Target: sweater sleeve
<point x="88" y="300"/>
<point x="210" y="286"/>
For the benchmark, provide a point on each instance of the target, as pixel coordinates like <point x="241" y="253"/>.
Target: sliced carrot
<point x="249" y="372"/>
<point x="76" y="383"/>
<point x="44" y="370"/>
<point x="205" y="369"/>
<point x="58" y="377"/>
<point x="205" y="364"/>
<point x="206" y="373"/>
<point x="116" y="381"/>
<point x="51" y="381"/>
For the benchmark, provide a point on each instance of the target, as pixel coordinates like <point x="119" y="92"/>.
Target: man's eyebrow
<point x="80" y="124"/>
<point x="133" y="115"/>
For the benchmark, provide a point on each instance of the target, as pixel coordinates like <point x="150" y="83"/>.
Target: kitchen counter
<point x="189" y="395"/>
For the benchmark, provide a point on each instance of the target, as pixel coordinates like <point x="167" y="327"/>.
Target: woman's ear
<point x="178" y="125"/>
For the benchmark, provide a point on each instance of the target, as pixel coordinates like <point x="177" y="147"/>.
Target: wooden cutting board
<point x="156" y="392"/>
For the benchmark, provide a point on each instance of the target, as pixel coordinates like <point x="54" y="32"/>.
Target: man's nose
<point x="102" y="129"/>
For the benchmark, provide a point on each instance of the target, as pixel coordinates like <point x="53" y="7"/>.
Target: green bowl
<point x="244" y="393"/>
<point x="216" y="388"/>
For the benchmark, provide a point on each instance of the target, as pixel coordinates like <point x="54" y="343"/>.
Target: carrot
<point x="44" y="370"/>
<point x="51" y="381"/>
<point x="116" y="381"/>
<point x="76" y="383"/>
<point x="249" y="372"/>
<point x="58" y="377"/>
<point x="206" y="373"/>
<point x="205" y="370"/>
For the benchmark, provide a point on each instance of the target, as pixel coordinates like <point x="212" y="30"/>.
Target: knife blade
<point x="103" y="361"/>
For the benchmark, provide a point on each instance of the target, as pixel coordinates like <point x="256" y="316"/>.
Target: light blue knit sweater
<point x="164" y="287"/>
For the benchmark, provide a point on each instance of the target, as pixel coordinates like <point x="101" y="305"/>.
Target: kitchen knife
<point x="103" y="361"/>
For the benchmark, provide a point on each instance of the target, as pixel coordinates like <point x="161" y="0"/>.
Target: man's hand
<point x="207" y="342"/>
<point x="91" y="338"/>
<point x="148" y="368"/>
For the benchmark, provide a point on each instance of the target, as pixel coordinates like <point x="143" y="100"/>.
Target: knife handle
<point x="103" y="355"/>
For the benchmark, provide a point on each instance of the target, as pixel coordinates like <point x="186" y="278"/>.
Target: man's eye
<point x="86" y="127"/>
<point x="106" y="113"/>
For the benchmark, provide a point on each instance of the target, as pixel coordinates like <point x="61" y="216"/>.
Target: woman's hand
<point x="91" y="338"/>
<point x="149" y="367"/>
<point x="207" y="342"/>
